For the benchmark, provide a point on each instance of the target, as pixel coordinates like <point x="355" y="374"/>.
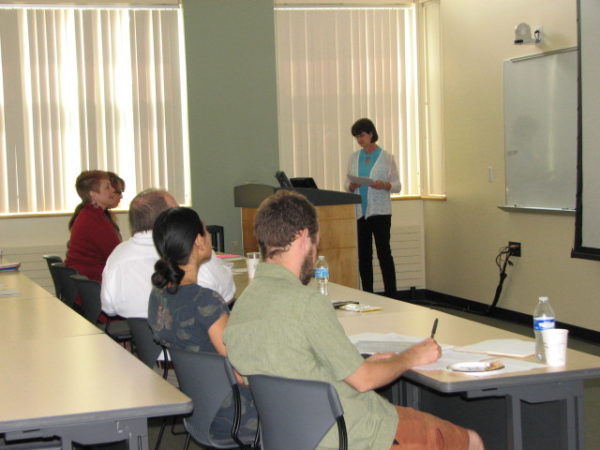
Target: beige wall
<point x="464" y="233"/>
<point x="232" y="105"/>
<point x="40" y="231"/>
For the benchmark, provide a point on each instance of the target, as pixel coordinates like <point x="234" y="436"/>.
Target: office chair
<point x="50" y="259"/>
<point x="217" y="234"/>
<point x="208" y="379"/>
<point x="66" y="290"/>
<point x="91" y="308"/>
<point x="148" y="350"/>
<point x="296" y="413"/>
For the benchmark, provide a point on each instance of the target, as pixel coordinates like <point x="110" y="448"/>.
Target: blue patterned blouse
<point x="182" y="320"/>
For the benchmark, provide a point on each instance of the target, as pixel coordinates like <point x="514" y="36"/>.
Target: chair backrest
<point x="146" y="347"/>
<point x="296" y="413"/>
<point x="208" y="379"/>
<point x="89" y="292"/>
<point x="217" y="234"/>
<point x="50" y="259"/>
<point x="66" y="286"/>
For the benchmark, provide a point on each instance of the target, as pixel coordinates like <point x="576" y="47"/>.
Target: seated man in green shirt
<point x="281" y="327"/>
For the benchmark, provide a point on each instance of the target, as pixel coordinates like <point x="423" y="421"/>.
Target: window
<point x="336" y="65"/>
<point x="90" y="88"/>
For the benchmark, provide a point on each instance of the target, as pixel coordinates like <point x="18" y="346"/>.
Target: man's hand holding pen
<point x="427" y="351"/>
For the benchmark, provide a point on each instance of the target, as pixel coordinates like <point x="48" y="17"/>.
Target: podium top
<point x="251" y="195"/>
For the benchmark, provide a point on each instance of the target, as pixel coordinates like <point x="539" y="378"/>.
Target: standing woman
<point x="184" y="315"/>
<point x="93" y="233"/>
<point x="375" y="211"/>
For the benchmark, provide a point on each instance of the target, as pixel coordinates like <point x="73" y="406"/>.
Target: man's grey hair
<point x="145" y="208"/>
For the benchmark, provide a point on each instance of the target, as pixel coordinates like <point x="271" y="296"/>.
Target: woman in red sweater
<point x="93" y="233"/>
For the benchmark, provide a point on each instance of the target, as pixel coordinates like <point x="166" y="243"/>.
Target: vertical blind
<point x="89" y="88"/>
<point x="432" y="142"/>
<point x="336" y="65"/>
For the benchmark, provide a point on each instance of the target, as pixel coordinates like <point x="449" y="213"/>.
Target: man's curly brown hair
<point x="280" y="218"/>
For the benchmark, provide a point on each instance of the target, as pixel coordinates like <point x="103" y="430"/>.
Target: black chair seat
<point x="50" y="259"/>
<point x="119" y="330"/>
<point x="91" y="307"/>
<point x="67" y="290"/>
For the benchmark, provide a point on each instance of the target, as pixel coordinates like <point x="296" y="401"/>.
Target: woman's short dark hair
<point x="87" y="181"/>
<point x="365" y="126"/>
<point x="174" y="234"/>
<point x="280" y="218"/>
<point x="116" y="182"/>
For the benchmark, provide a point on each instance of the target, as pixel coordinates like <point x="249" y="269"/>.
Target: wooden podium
<point x="337" y="226"/>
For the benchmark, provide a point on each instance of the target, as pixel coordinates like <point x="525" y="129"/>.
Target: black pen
<point x="434" y="328"/>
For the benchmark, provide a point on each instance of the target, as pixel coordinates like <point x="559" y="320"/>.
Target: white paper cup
<point x="555" y="346"/>
<point x="252" y="260"/>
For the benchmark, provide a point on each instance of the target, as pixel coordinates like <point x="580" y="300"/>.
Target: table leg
<point x="569" y="393"/>
<point x="407" y="394"/>
<point x="134" y="431"/>
<point x="514" y="433"/>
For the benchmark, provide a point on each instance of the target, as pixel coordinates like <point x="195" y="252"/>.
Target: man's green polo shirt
<point x="280" y="327"/>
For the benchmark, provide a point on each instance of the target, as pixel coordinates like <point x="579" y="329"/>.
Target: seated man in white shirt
<point x="126" y="281"/>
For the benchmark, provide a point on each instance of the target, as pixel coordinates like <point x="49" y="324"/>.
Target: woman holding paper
<point x="372" y="173"/>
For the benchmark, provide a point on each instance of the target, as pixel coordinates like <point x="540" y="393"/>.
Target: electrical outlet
<point x="514" y="248"/>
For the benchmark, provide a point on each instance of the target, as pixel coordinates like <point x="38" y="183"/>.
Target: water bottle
<point x="322" y="274"/>
<point x="543" y="319"/>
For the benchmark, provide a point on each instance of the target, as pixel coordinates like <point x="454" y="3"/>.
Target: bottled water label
<point x="321" y="272"/>
<point x="543" y="323"/>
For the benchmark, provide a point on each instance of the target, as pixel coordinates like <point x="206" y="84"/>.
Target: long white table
<point x="540" y="408"/>
<point x="26" y="288"/>
<point x="40" y="318"/>
<point x="61" y="377"/>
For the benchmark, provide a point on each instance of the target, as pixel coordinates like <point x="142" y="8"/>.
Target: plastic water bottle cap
<point x="321" y="257"/>
<point x="543" y="299"/>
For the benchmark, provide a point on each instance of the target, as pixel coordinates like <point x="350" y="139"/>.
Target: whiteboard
<point x="587" y="224"/>
<point x="540" y="130"/>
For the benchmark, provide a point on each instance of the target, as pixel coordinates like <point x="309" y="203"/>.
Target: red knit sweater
<point x="93" y="238"/>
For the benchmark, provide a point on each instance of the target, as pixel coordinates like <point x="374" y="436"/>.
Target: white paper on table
<point x="361" y="180"/>
<point x="452" y="356"/>
<point x="7" y="292"/>
<point x="369" y="343"/>
<point x="517" y="348"/>
<point x="392" y="342"/>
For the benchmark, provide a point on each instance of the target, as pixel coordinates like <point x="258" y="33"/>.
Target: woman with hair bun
<point x="184" y="315"/>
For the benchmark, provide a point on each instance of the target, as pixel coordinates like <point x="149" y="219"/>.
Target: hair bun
<point x="165" y="273"/>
